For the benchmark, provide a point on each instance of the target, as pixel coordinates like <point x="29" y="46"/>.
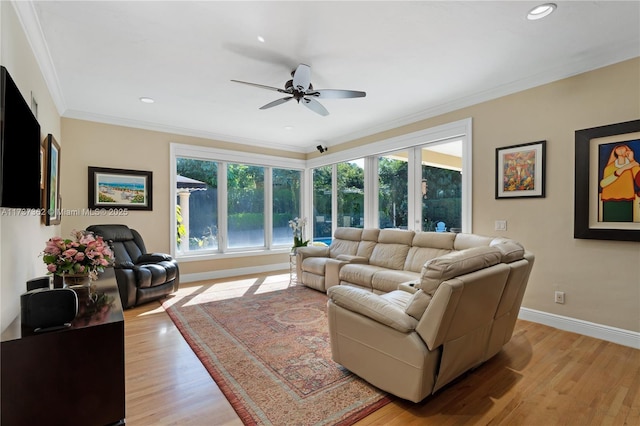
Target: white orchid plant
<point x="297" y="225"/>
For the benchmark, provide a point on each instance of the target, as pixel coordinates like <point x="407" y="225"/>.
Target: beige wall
<point x="22" y="238"/>
<point x="102" y="145"/>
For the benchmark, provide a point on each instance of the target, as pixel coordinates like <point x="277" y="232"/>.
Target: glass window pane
<point x="392" y="192"/>
<point x="351" y="193"/>
<point x="322" y="204"/>
<point x="286" y="203"/>
<point x="441" y="190"/>
<point x="197" y="205"/>
<point x="245" y="206"/>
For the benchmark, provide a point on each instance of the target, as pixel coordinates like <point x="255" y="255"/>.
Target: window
<point x="230" y="203"/>
<point x="197" y="208"/>
<point x="441" y="188"/>
<point x="225" y="204"/>
<point x="245" y="206"/>
<point x="286" y="203"/>
<point x="322" y="202"/>
<point x="350" y="182"/>
<point x="419" y="181"/>
<point x="393" y="201"/>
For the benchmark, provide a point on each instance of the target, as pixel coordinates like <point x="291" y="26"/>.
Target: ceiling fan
<point x="301" y="89"/>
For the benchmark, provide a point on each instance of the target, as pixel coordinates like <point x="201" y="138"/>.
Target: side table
<point x="293" y="274"/>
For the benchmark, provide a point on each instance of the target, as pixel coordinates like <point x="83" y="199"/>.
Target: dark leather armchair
<point x="141" y="276"/>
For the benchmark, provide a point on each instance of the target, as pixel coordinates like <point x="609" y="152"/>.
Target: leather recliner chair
<point x="141" y="276"/>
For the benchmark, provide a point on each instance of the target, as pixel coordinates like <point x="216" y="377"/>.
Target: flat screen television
<point x="20" y="162"/>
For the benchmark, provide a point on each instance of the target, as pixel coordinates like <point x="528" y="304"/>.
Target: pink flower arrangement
<point x="84" y="254"/>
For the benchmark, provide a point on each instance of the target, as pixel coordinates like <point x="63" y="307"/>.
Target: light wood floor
<point x="543" y="376"/>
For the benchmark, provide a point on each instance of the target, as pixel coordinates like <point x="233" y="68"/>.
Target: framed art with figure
<point x="607" y="182"/>
<point x="520" y="170"/>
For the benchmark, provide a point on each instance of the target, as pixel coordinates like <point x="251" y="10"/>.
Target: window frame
<point x="412" y="142"/>
<point x="458" y="130"/>
<point x="223" y="158"/>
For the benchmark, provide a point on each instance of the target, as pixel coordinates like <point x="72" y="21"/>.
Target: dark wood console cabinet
<point x="73" y="376"/>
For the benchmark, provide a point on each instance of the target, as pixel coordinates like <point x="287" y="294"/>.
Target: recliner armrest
<point x="153" y="258"/>
<point x="125" y="264"/>
<point x="373" y="306"/>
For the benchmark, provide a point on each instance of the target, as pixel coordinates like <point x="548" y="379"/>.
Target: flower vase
<point x="76" y="280"/>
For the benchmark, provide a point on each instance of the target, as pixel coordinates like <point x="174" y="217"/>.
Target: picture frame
<point x="52" y="213"/>
<point x="520" y="170"/>
<point x="606" y="203"/>
<point x="120" y="189"/>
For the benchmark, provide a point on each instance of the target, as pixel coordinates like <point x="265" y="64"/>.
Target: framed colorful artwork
<point x="520" y="170"/>
<point x="607" y="182"/>
<point x="120" y="188"/>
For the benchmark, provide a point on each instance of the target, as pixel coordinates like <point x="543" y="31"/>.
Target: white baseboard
<point x="226" y="273"/>
<point x="599" y="331"/>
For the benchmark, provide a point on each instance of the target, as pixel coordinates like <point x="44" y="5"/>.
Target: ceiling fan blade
<point x="262" y="86"/>
<point x="276" y="102"/>
<point x="315" y="106"/>
<point x="302" y="77"/>
<point x="336" y="94"/>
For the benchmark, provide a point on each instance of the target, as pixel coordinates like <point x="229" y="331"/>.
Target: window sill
<point x="198" y="257"/>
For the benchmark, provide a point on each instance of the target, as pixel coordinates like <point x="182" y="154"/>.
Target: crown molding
<point x="25" y="10"/>
<point x="119" y="121"/>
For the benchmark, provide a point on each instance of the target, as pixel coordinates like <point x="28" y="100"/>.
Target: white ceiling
<point x="414" y="59"/>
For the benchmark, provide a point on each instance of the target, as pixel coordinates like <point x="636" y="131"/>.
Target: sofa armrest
<point x="372" y="306"/>
<point x="332" y="272"/>
<point x="352" y="259"/>
<point x="409" y="287"/>
<point x="312" y="251"/>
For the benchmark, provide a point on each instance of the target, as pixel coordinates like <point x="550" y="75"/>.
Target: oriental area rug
<point x="266" y="345"/>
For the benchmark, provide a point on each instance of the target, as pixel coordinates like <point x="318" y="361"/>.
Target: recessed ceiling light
<point x="261" y="39"/>
<point x="147" y="100"/>
<point x="288" y="127"/>
<point x="541" y="11"/>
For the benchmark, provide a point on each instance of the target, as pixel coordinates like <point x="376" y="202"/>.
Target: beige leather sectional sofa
<point x="410" y="312"/>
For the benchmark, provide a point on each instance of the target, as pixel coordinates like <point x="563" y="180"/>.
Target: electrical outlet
<point x="559" y="297"/>
<point x="501" y="225"/>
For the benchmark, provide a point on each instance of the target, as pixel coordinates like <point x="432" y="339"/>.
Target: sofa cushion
<point x="389" y="280"/>
<point x="372" y="306"/>
<point x="457" y="263"/>
<point x="359" y="274"/>
<point x="315" y="265"/>
<point x="436" y="240"/>
<point x="396" y="236"/>
<point x="398" y="298"/>
<point x="417" y="304"/>
<point x="418" y="256"/>
<point x="351" y="234"/>
<point x="465" y="241"/>
<point x="339" y="247"/>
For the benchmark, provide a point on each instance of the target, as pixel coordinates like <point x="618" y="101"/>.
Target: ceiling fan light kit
<point x="301" y="89"/>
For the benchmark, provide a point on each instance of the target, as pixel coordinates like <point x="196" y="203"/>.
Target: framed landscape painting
<point x="607" y="182"/>
<point x="120" y="188"/>
<point x="520" y="170"/>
